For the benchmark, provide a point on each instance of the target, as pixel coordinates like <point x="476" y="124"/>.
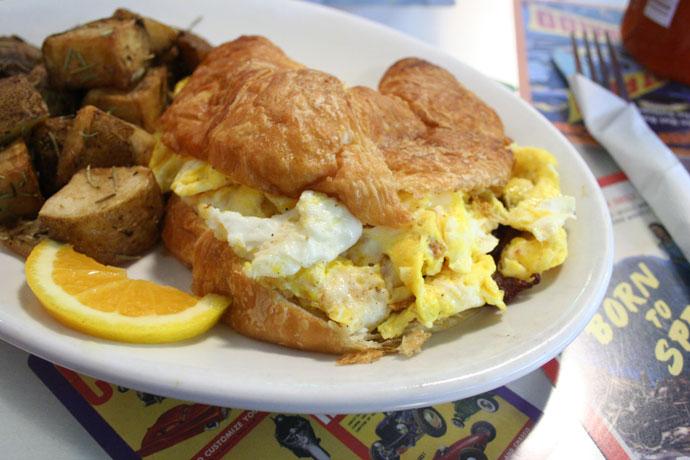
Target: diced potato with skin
<point x="99" y="139"/>
<point x="106" y="53"/>
<point x="60" y="102"/>
<point x="21" y="107"/>
<point x="19" y="191"/>
<point x="183" y="57"/>
<point x="45" y="144"/>
<point x="17" y="57"/>
<point x="23" y="236"/>
<point x="192" y="51"/>
<point x="168" y="60"/>
<point x="162" y="36"/>
<point x="109" y="214"/>
<point x="142" y="105"/>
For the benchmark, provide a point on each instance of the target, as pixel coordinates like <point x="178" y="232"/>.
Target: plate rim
<point x="415" y="396"/>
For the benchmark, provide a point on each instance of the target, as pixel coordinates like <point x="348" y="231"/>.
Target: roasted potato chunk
<point x="23" y="236"/>
<point x="99" y="139"/>
<point x="17" y="57"/>
<point x="192" y="49"/>
<point x="161" y="35"/>
<point x="21" y="107"/>
<point x="19" y="190"/>
<point x="109" y="214"/>
<point x="141" y="105"/>
<point x="109" y="52"/>
<point x="59" y="102"/>
<point x="45" y="144"/>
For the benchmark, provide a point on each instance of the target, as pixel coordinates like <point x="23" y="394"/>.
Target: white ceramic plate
<point x="226" y="369"/>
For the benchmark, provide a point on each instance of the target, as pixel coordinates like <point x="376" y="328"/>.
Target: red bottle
<point x="657" y="34"/>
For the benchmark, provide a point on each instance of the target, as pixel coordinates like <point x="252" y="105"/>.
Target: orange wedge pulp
<point x="102" y="301"/>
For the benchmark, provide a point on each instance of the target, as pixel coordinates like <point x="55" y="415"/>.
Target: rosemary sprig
<point x="114" y="176"/>
<point x="83" y="68"/>
<point x="81" y="58"/>
<point x="88" y="77"/>
<point x="107" y="197"/>
<point x="95" y="133"/>
<point x="55" y="143"/>
<point x="106" y="32"/>
<point x="88" y="177"/>
<point x="195" y="22"/>
<point x="30" y="124"/>
<point x="68" y="58"/>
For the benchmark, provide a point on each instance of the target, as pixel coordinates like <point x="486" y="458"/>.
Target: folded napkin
<point x="649" y="164"/>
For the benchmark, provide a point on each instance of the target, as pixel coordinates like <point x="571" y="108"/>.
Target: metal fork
<point x="604" y="79"/>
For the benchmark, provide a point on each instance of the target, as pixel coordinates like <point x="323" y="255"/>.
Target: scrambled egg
<point x="378" y="279"/>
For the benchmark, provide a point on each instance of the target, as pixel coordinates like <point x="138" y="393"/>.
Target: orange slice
<point x="102" y="301"/>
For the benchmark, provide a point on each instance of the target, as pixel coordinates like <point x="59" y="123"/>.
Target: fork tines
<point x="603" y="76"/>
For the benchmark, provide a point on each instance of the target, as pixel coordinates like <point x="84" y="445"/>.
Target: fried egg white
<point x="379" y="279"/>
<point x="317" y="229"/>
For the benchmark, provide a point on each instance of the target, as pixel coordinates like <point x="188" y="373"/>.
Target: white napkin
<point x="649" y="164"/>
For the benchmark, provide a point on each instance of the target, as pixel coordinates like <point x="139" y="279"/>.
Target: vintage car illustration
<point x="180" y="423"/>
<point x="465" y="408"/>
<point x="470" y="447"/>
<point x="296" y="433"/>
<point x="146" y="398"/>
<point x="651" y="417"/>
<point x="402" y="429"/>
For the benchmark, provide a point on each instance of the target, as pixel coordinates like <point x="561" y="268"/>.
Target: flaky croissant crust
<point x="270" y="123"/>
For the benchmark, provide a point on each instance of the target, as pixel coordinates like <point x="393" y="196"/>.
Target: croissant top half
<point x="270" y="123"/>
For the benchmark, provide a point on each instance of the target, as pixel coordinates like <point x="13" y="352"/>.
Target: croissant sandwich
<point x="349" y="220"/>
